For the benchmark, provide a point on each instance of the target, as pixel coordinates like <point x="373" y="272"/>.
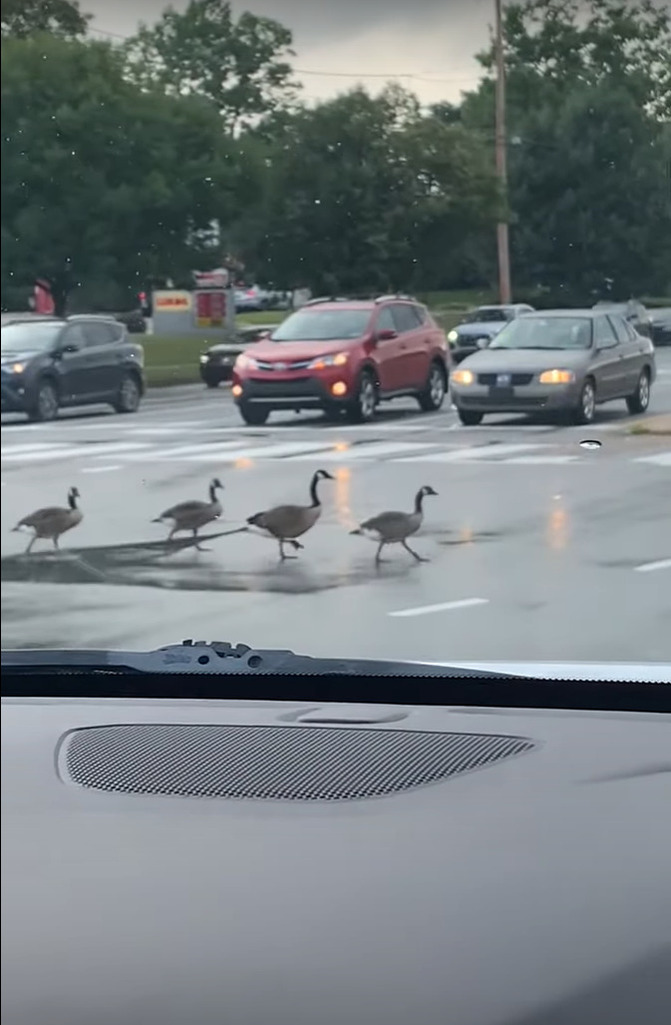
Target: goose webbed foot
<point x="415" y="555"/>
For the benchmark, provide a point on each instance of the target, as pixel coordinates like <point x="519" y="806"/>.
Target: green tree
<point x="99" y="179"/>
<point x="588" y="92"/>
<point x="364" y="193"/>
<point x="241" y="64"/>
<point x="21" y="18"/>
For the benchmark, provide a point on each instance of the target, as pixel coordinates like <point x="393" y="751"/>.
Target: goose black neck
<point x="314" y="497"/>
<point x="419" y="498"/>
<point x="213" y="493"/>
<point x="72" y="500"/>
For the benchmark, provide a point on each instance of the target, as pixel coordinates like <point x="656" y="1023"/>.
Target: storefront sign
<point x="172" y="302"/>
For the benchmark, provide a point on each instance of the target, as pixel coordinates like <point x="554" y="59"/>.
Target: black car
<point x="48" y="363"/>
<point x="217" y="362"/>
<point x="661" y="326"/>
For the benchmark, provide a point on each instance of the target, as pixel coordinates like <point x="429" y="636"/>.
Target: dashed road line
<point x="652" y="567"/>
<point x="445" y="606"/>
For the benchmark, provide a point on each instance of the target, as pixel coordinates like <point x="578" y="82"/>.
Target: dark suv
<point x="49" y="363"/>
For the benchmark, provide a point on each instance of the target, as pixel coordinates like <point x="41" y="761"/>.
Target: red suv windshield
<point x="322" y="326"/>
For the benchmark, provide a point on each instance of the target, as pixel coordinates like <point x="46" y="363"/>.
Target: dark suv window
<point x="405" y="317"/>
<point x="74" y="335"/>
<point x="100" y="333"/>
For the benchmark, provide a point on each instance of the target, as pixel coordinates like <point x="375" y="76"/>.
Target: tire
<point x="640" y="400"/>
<point x="432" y="397"/>
<point x="362" y="407"/>
<point x="44" y="406"/>
<point x="583" y="413"/>
<point x="129" y="395"/>
<point x="255" y="416"/>
<point x="211" y="382"/>
<point x="469" y="417"/>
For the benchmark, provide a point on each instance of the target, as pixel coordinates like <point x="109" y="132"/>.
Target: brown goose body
<point x="192" y="515"/>
<point x="53" y="521"/>
<point x="285" y="523"/>
<point x="390" y="528"/>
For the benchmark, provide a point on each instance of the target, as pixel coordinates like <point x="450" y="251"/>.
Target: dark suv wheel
<point x="433" y="394"/>
<point x="128" y="396"/>
<point x="44" y="405"/>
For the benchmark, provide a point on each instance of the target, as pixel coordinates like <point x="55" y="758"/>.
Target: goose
<point x="287" y="522"/>
<point x="53" y="521"/>
<point x="394" y="528"/>
<point x="194" y="514"/>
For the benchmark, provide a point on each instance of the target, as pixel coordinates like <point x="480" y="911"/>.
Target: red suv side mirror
<point x="385" y="334"/>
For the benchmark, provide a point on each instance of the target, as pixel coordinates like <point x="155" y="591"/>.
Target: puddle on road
<point x="153" y="564"/>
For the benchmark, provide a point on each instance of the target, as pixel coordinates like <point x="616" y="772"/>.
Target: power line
<point x="416" y="76"/>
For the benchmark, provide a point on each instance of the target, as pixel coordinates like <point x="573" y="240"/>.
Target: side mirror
<point x="67" y="350"/>
<point x="386" y="334"/>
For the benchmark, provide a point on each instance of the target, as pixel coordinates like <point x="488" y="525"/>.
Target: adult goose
<point x="286" y="523"/>
<point x="192" y="515"/>
<point x="52" y="521"/>
<point x="394" y="528"/>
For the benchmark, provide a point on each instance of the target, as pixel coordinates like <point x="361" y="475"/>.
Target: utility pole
<point x="502" y="242"/>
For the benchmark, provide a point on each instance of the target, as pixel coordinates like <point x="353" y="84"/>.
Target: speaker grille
<point x="274" y="762"/>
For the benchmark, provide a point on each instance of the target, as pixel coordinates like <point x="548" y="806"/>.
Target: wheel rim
<point x="47" y="403"/>
<point x="436" y="386"/>
<point x="129" y="393"/>
<point x="367" y="398"/>
<point x="588" y="402"/>
<point x="643" y="391"/>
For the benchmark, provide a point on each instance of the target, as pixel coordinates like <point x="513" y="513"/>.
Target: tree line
<point x="131" y="161"/>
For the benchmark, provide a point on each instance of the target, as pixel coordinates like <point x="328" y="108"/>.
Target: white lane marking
<point x="368" y="450"/>
<point x="100" y="469"/>
<point x="485" y="453"/>
<point x="183" y="451"/>
<point x="661" y="459"/>
<point x="72" y="451"/>
<point x="650" y="567"/>
<point x="445" y="606"/>
<point x="541" y="460"/>
<point x="7" y="450"/>
<point x="281" y="451"/>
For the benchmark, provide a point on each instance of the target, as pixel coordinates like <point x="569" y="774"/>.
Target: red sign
<point x="210" y="309"/>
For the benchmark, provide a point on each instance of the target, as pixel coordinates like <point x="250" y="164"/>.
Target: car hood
<point x="20" y="356"/>
<point x="480" y="328"/>
<point x="526" y="359"/>
<point x="228" y="347"/>
<point x="289" y="351"/>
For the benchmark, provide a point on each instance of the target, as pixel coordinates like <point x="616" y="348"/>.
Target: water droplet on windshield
<point x="589" y="443"/>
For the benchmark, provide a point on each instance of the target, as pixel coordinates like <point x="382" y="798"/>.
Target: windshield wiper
<point x="207" y="657"/>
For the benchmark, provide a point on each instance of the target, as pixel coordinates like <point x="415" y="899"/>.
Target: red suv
<point x="345" y="355"/>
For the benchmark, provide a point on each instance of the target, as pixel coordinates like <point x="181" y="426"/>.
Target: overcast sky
<point x="427" y="45"/>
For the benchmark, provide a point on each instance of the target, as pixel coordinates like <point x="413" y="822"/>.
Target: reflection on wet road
<point x="544" y="542"/>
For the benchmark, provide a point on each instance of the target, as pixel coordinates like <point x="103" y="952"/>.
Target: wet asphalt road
<point x="539" y="548"/>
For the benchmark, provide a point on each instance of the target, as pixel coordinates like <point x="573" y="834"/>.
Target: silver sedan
<point x="557" y="361"/>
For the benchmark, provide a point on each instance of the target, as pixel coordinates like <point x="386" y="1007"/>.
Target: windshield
<point x="545" y="333"/>
<point x="487" y="314"/>
<point x="274" y="242"/>
<point x="322" y="326"/>
<point x="36" y="336"/>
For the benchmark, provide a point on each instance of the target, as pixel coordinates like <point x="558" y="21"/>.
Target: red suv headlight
<point x="339" y="359"/>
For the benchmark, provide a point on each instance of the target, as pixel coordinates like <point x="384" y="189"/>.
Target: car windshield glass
<point x="488" y="314"/>
<point x="21" y="337"/>
<point x="322" y="326"/>
<point x="545" y="333"/>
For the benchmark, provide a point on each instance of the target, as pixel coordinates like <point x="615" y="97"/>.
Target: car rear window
<point x="322" y="326"/>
